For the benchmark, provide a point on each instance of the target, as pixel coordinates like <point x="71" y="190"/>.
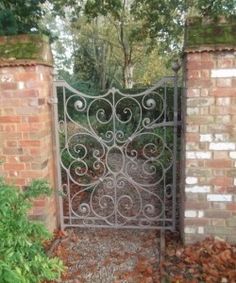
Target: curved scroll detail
<point x="115" y="158"/>
<point x="83" y="159"/>
<point x="150" y="160"/>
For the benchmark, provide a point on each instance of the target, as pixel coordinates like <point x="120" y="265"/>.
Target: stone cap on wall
<point x="26" y="49"/>
<point x="202" y="34"/>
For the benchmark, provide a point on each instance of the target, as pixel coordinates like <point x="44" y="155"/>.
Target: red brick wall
<point x="26" y="130"/>
<point x="210" y="145"/>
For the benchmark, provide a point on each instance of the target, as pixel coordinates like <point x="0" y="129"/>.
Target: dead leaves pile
<point x="212" y="260"/>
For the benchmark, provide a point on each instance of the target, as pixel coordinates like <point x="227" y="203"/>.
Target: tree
<point x="131" y="36"/>
<point x="138" y="29"/>
<point x="128" y="43"/>
<point x="211" y="8"/>
<point x="21" y="16"/>
<point x="166" y="18"/>
<point x="95" y="54"/>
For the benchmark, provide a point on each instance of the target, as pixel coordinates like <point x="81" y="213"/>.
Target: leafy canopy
<point x="113" y="40"/>
<point x="21" y="16"/>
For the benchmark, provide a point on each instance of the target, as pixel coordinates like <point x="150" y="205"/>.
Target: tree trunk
<point x="128" y="75"/>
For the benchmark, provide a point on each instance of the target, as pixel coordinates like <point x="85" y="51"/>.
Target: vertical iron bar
<point x="66" y="146"/>
<point x="114" y="143"/>
<point x="56" y="149"/>
<point x="165" y="172"/>
<point x="175" y="147"/>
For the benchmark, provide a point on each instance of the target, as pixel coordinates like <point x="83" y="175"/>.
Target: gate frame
<point x="176" y="123"/>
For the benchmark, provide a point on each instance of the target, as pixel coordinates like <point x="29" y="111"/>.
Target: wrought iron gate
<point x="117" y="156"/>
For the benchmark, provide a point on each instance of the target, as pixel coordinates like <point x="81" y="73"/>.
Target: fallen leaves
<point x="211" y="260"/>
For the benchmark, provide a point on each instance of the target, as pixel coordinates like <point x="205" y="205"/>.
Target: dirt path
<point x="110" y="256"/>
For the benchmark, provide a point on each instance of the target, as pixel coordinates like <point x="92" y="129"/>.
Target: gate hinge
<point x="52" y="100"/>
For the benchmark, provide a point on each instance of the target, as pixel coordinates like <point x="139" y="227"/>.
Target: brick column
<point x="210" y="141"/>
<point x="25" y="117"/>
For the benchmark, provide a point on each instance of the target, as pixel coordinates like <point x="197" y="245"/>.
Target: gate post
<point x="210" y="131"/>
<point x="26" y="148"/>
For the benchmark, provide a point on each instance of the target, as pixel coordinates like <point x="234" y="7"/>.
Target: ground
<point x="109" y="255"/>
<point x="133" y="256"/>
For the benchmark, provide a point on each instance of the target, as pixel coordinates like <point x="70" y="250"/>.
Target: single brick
<point x="219" y="197"/>
<point x="232" y="154"/>
<point x="198" y="155"/>
<point x="221" y="121"/>
<point x="192" y="129"/>
<point x="200" y="102"/>
<point x="192" y="111"/>
<point x="218" y="163"/>
<point x="204" y="92"/>
<point x="226" y="82"/>
<point x="29" y="143"/>
<point x="192" y="137"/>
<point x="222" y="181"/>
<point x="223" y="101"/>
<point x="193" y="92"/>
<point x="190" y="230"/>
<point x="206" y="138"/>
<point x="10" y="119"/>
<point x="222" y="146"/>
<point x="221" y="137"/>
<point x="14" y="166"/>
<point x="223" y="92"/>
<point x="200" y="230"/>
<point x="223" y="73"/>
<point x="191" y="180"/>
<point x="225" y="63"/>
<point x="200" y="213"/>
<point x="190" y="213"/>
<point x="198" y="189"/>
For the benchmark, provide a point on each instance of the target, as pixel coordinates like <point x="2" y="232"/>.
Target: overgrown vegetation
<point x="126" y="43"/>
<point x="22" y="256"/>
<point x="21" y="16"/>
<point x="104" y="43"/>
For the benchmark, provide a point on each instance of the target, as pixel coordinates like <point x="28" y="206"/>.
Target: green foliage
<point x="116" y="42"/>
<point x="101" y="7"/>
<point x="162" y="20"/>
<point x="211" y="8"/>
<point x="22" y="257"/>
<point x="21" y="16"/>
<point x="110" y="43"/>
<point x="8" y="25"/>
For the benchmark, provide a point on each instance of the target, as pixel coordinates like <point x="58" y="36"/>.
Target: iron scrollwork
<point x="115" y="158"/>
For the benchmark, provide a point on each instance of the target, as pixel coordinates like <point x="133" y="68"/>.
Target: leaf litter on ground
<point x="211" y="260"/>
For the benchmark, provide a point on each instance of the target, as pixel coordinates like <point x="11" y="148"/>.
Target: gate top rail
<point x="62" y="83"/>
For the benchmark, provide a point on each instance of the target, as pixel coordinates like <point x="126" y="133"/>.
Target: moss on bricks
<point x="200" y="32"/>
<point x="25" y="47"/>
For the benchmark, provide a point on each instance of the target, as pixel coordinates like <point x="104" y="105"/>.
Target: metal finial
<point x="55" y="74"/>
<point x="176" y="65"/>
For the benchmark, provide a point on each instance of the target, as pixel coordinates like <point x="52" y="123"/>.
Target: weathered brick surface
<point x="25" y="130"/>
<point x="210" y="149"/>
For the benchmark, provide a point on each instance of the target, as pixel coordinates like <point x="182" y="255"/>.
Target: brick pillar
<point x="210" y="140"/>
<point x="25" y="117"/>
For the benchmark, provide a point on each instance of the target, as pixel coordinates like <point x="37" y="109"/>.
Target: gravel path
<point x="110" y="256"/>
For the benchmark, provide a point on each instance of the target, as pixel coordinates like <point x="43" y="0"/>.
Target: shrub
<point x="22" y="256"/>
